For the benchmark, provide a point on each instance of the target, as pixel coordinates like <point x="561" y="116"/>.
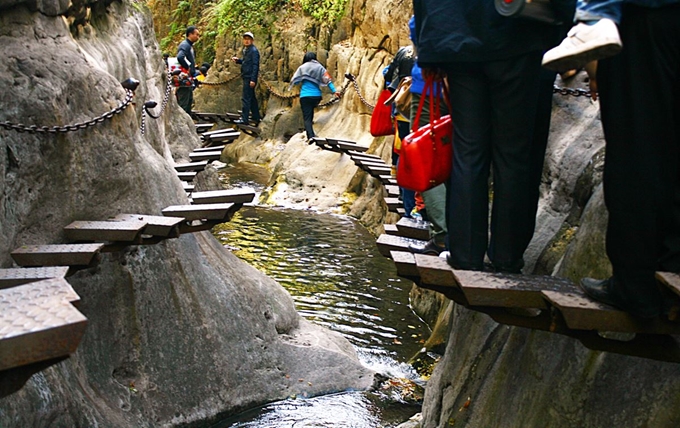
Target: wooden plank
<point x="210" y="148"/>
<point x="353" y="153"/>
<point x="410" y="228"/>
<point x="387" y="243"/>
<point x="392" y="205"/>
<point x="670" y="280"/>
<point x="368" y="162"/>
<point x="202" y="211"/>
<point x="509" y="291"/>
<point x="187" y="187"/>
<point x="202" y="127"/>
<point x="236" y="196"/>
<point x="392" y="191"/>
<point x="12" y="277"/>
<point x="405" y="263"/>
<point x="101" y="231"/>
<point x="192" y="166"/>
<point x="390" y="229"/>
<point x="186" y="176"/>
<point x="56" y="255"/>
<point x="205" y="156"/>
<point x="229" y="131"/>
<point x="582" y="313"/>
<point x="435" y="271"/>
<point x="346" y="145"/>
<point x="167" y="227"/>
<point x="377" y="170"/>
<point x="387" y="179"/>
<point x="222" y="137"/>
<point x="38" y="323"/>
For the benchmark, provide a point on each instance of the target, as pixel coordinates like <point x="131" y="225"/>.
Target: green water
<point x="331" y="267"/>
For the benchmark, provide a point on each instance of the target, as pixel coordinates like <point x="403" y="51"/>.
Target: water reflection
<point x="331" y="267"/>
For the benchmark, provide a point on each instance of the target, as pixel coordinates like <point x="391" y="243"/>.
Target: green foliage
<point x="327" y="11"/>
<point x="236" y="16"/>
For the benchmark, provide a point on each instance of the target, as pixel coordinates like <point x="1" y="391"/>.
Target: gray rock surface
<point x="180" y="332"/>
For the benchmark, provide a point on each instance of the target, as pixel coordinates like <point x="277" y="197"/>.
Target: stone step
<point x="186" y="176"/>
<point x="392" y="205"/>
<point x="410" y="228"/>
<point x="387" y="243"/>
<point x="582" y="313"/>
<point x="102" y="231"/>
<point x="11" y="277"/>
<point x="205" y="156"/>
<point x="56" y="255"/>
<point x="236" y="196"/>
<point x="166" y="227"/>
<point x="192" y="166"/>
<point x="221" y="212"/>
<point x="38" y="323"/>
<point x="210" y="149"/>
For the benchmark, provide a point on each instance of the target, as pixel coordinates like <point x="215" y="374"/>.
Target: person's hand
<point x="591" y="69"/>
<point x="234" y="58"/>
<point x="337" y="94"/>
<point x="252" y="84"/>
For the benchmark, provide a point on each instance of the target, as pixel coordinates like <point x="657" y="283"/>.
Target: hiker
<point x="640" y="109"/>
<point x="493" y="67"/>
<point x="187" y="61"/>
<point x="250" y="68"/>
<point x="311" y="76"/>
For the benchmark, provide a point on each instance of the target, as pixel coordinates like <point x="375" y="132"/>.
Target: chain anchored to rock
<point x="152" y="104"/>
<point x="224" y="82"/>
<point x="575" y="92"/>
<point x="130" y="85"/>
<point x="353" y="79"/>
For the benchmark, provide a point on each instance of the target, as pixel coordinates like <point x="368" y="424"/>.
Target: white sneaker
<point x="584" y="43"/>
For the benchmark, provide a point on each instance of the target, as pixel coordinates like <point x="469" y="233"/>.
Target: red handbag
<point x="427" y="153"/>
<point x="381" y="118"/>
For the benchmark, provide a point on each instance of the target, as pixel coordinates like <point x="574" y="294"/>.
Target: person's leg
<point x="245" y="101"/>
<point x="408" y="197"/>
<point x="642" y="155"/>
<point x="594" y="10"/>
<point x="308" y="104"/>
<point x="513" y="85"/>
<point x="254" y="107"/>
<point x="184" y="98"/>
<point x="467" y="192"/>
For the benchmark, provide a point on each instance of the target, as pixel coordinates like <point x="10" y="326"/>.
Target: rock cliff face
<point x="180" y="332"/>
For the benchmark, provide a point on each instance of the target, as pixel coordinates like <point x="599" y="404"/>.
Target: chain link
<point x="575" y="92"/>
<point x="146" y="109"/>
<point x="353" y="79"/>
<point x="224" y="82"/>
<point x="34" y="129"/>
<point x="278" y="94"/>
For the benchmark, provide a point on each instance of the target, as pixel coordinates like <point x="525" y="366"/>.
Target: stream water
<point x="331" y="267"/>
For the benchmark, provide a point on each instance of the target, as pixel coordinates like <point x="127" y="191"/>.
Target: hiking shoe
<point x="584" y="43"/>
<point x="431" y="248"/>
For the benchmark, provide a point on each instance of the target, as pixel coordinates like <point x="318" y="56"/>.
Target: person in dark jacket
<point x="250" y="68"/>
<point x="186" y="59"/>
<point x="493" y="65"/>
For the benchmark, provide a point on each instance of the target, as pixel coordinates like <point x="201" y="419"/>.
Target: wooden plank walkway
<point x="203" y="127"/>
<point x="387" y="243"/>
<point x="56" y="255"/>
<point x="411" y="228"/>
<point x="187" y="176"/>
<point x="101" y="231"/>
<point x="205" y="156"/>
<point x="236" y="196"/>
<point x="38" y="322"/>
<point x="210" y="148"/>
<point x="192" y="166"/>
<point x="161" y="226"/>
<point x="392" y="205"/>
<point x="221" y="212"/>
<point x="11" y="277"/>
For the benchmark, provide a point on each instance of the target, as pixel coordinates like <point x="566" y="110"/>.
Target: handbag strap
<point x="416" y="123"/>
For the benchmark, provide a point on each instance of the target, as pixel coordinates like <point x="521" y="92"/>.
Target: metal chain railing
<point x="353" y="79"/>
<point x="224" y="82"/>
<point x="152" y="104"/>
<point x="575" y="92"/>
<point x="130" y="85"/>
<point x="278" y="94"/>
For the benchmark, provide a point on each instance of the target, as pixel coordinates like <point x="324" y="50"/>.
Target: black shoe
<point x="603" y="291"/>
<point x="431" y="248"/>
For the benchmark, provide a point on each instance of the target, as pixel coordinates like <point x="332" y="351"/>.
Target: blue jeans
<point x="249" y="103"/>
<point x="594" y="10"/>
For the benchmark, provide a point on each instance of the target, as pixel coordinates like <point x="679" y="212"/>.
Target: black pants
<point x="494" y="105"/>
<point x="249" y="103"/>
<point x="640" y="104"/>
<point x="185" y="97"/>
<point x="308" y="104"/>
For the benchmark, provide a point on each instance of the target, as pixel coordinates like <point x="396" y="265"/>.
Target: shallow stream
<point x="331" y="267"/>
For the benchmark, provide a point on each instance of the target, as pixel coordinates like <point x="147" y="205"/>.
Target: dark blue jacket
<point x="185" y="56"/>
<point x="250" y="63"/>
<point x="451" y="31"/>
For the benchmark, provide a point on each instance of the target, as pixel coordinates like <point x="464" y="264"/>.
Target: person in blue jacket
<point x="250" y="69"/>
<point x="493" y="66"/>
<point x="187" y="60"/>
<point x="311" y="76"/>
